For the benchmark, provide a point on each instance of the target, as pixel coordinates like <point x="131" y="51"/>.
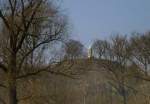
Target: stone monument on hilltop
<point x="90" y="52"/>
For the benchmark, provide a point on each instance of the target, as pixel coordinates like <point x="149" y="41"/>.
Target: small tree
<point x="101" y="49"/>
<point x="74" y="49"/>
<point x="98" y="48"/>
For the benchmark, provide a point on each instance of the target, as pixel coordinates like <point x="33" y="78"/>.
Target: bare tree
<point x="101" y="49"/>
<point x="118" y="65"/>
<point x="27" y="27"/>
<point x="141" y="50"/>
<point x="98" y="48"/>
<point x="122" y="55"/>
<point x="73" y="49"/>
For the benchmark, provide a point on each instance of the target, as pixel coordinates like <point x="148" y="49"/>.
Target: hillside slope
<point x="92" y="83"/>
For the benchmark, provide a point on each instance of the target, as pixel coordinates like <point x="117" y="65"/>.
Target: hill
<point x="94" y="82"/>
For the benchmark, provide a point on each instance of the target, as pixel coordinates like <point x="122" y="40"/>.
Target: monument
<point x="90" y="53"/>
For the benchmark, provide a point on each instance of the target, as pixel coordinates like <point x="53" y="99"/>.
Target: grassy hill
<point x="94" y="82"/>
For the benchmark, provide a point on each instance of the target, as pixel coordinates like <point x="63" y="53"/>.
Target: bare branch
<point x="143" y="78"/>
<point x="11" y="6"/>
<point x="37" y="46"/>
<point x="27" y="26"/>
<point x="49" y="70"/>
<point x="3" y="86"/>
<point x="44" y="70"/>
<point x="4" y="19"/>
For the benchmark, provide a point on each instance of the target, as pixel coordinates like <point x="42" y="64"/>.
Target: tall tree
<point x="26" y="27"/>
<point x="118" y="65"/>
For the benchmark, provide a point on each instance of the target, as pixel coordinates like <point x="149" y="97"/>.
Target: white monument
<point x="90" y="52"/>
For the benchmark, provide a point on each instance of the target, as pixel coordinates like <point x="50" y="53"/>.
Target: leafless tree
<point x="102" y="49"/>
<point x="27" y="27"/>
<point x="118" y="65"/>
<point x="141" y="50"/>
<point x="98" y="48"/>
<point x="74" y="49"/>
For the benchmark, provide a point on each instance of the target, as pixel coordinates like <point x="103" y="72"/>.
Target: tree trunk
<point x="146" y="68"/>
<point x="124" y="95"/>
<point x="124" y="99"/>
<point x="12" y="94"/>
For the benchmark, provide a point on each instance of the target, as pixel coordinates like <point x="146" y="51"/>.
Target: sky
<point x="100" y="19"/>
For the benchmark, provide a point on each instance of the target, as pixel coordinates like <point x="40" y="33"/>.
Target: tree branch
<point x="40" y="71"/>
<point x="27" y="26"/>
<point x="29" y="52"/>
<point x="47" y="69"/>
<point x="143" y="78"/>
<point x="4" y="19"/>
<point x="3" y="86"/>
<point x="12" y="6"/>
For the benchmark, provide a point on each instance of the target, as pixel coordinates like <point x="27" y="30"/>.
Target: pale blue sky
<point x="94" y="19"/>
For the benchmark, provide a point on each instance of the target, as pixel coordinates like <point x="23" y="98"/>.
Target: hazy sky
<point x="94" y="19"/>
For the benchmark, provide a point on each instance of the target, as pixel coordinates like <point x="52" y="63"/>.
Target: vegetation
<point x="117" y="72"/>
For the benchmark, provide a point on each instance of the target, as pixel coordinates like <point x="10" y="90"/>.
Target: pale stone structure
<point x="90" y="52"/>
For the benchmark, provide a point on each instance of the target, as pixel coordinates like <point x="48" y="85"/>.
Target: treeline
<point x="125" y="50"/>
<point x="126" y="61"/>
<point x="132" y="58"/>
